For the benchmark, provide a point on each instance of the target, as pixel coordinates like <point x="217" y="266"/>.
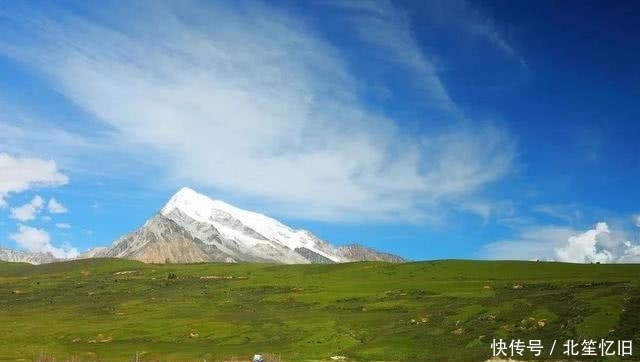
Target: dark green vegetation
<point x="430" y="311"/>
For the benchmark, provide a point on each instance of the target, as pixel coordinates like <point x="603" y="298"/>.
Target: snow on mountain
<point x="252" y="232"/>
<point x="162" y="240"/>
<point x="26" y="257"/>
<point x="193" y="228"/>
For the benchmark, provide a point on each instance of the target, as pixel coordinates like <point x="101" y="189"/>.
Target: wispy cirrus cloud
<point x="388" y="28"/>
<point x="262" y="107"/>
<point x="487" y="210"/>
<point x="569" y="213"/>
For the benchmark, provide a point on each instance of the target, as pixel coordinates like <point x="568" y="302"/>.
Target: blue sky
<point x="431" y="129"/>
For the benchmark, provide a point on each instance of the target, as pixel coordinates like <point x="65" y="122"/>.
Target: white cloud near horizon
<point x="29" y="210"/>
<point x="262" y="107"/>
<point x="63" y="226"/>
<point x="38" y="241"/>
<point x="598" y="244"/>
<point x="55" y="207"/>
<point x="20" y="174"/>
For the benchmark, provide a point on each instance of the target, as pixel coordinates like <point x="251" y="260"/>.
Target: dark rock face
<point x="362" y="253"/>
<point x="314" y="257"/>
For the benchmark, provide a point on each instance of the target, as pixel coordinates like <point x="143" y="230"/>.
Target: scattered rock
<point x="101" y="339"/>
<point x="458" y="331"/>
<point x="128" y="272"/>
<point x="338" y="358"/>
<point x="517" y="286"/>
<point x="216" y="277"/>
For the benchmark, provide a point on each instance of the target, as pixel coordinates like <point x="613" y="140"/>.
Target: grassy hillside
<point x="429" y="311"/>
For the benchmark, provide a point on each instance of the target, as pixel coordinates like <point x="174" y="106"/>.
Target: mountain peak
<point x="192" y="227"/>
<point x="200" y="207"/>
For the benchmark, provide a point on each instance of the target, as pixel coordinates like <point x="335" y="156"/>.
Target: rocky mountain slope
<point x="191" y="227"/>
<point x="25" y="257"/>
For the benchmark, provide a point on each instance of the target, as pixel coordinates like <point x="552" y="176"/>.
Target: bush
<point x="172" y="276"/>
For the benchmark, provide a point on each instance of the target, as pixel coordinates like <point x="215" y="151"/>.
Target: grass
<point x="107" y="309"/>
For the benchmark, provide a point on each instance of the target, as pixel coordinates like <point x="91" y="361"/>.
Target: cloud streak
<point x="261" y="107"/>
<point x="388" y="28"/>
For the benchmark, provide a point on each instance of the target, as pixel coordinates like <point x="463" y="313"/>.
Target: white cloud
<point x="261" y="108"/>
<point x="637" y="220"/>
<point x="488" y="209"/>
<point x="564" y="244"/>
<point x="29" y="210"/>
<point x="78" y="151"/>
<point x="582" y="248"/>
<point x="449" y="14"/>
<point x="567" y="213"/>
<point x="38" y="240"/>
<point x="532" y="243"/>
<point x="485" y="28"/>
<point x="56" y="207"/>
<point x="479" y="208"/>
<point x="63" y="226"/>
<point x="23" y="173"/>
<point x="389" y="28"/>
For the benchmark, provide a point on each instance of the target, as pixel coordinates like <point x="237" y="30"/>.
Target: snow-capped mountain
<point x="191" y="227"/>
<point x="26" y="257"/>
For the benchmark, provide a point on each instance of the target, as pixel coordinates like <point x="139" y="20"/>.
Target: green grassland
<point x="107" y="309"/>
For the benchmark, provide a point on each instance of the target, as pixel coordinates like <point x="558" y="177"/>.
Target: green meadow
<point x="111" y="310"/>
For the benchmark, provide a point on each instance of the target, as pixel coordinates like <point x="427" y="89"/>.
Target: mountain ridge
<point x="192" y="228"/>
<point x="15" y="256"/>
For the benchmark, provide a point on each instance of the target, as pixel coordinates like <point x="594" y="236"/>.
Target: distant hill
<point x="25" y="257"/>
